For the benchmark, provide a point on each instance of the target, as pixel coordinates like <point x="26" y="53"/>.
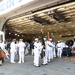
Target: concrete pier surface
<point x="56" y="67"/>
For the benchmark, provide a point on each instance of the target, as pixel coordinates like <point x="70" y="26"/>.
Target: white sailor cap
<point x="44" y="38"/>
<point x="21" y="39"/>
<point x="58" y="41"/>
<point x="50" y="39"/>
<point x="36" y="39"/>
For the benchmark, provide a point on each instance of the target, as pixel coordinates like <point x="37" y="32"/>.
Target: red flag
<point x="48" y="37"/>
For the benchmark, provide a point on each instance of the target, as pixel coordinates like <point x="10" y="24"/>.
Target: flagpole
<point x="48" y="36"/>
<point x="52" y="36"/>
<point x="41" y="31"/>
<point x="43" y="47"/>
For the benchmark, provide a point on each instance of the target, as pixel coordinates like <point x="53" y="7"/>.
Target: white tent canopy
<point x="2" y="36"/>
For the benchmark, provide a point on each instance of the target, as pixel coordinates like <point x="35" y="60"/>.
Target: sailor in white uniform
<point x="21" y="46"/>
<point x="51" y="48"/>
<point x="46" y="53"/>
<point x="59" y="49"/>
<point x="36" y="52"/>
<point x="12" y="51"/>
<point x="54" y="51"/>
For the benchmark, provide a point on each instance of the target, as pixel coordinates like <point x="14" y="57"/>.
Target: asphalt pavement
<point x="56" y="67"/>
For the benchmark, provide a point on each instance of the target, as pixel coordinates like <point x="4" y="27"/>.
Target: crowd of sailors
<point x="35" y="48"/>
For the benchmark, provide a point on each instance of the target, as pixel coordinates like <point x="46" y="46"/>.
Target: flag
<point x="43" y="44"/>
<point x="52" y="37"/>
<point x="48" y="37"/>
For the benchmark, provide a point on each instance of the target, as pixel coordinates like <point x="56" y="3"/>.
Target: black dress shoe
<point x="37" y="66"/>
<point x="44" y="64"/>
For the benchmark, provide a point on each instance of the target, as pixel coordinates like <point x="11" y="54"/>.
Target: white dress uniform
<point x="21" y="46"/>
<point x="36" y="53"/>
<point x="48" y="51"/>
<point x="12" y="52"/>
<point x="63" y="45"/>
<point x="54" y="52"/>
<point x="2" y="45"/>
<point x="51" y="47"/>
<point x="59" y="49"/>
<point x="40" y="47"/>
<point x="46" y="54"/>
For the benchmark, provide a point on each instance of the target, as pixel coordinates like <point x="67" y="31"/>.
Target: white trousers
<point x="0" y="62"/>
<point x="50" y="56"/>
<point x="26" y="51"/>
<point x="46" y="56"/>
<point x="32" y="51"/>
<point x="36" y="57"/>
<point x="54" y="53"/>
<point x="12" y="56"/>
<point x="21" y="56"/>
<point x="59" y="52"/>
